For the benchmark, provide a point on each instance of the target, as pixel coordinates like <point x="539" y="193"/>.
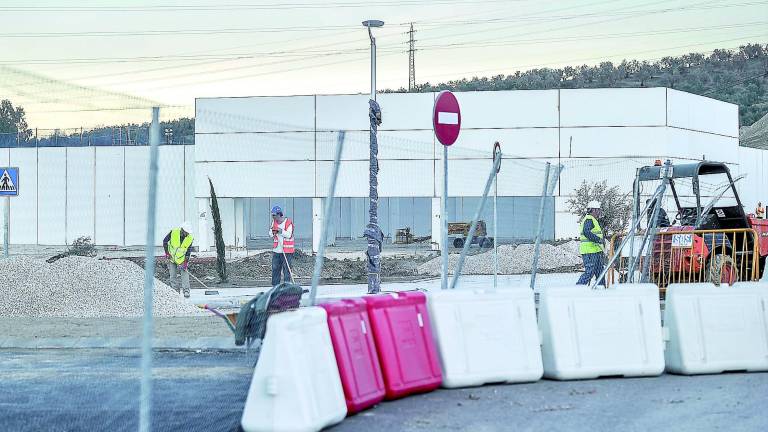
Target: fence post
<point x="549" y="188"/>
<point x="326" y="221"/>
<point x="495" y="230"/>
<point x="444" y="223"/>
<point x="473" y="227"/>
<point x="145" y="403"/>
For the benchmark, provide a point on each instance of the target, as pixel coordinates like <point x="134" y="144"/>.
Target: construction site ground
<point x="86" y="389"/>
<point x="344" y="263"/>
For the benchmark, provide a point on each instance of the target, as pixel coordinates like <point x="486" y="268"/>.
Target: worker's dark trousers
<point x="279" y="265"/>
<point x="593" y="266"/>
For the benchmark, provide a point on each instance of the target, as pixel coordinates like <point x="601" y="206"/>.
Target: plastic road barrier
<point x="486" y="336"/>
<point x="407" y="352"/>
<point x="608" y="332"/>
<point x="716" y="329"/>
<point x="295" y="385"/>
<point x="356" y="354"/>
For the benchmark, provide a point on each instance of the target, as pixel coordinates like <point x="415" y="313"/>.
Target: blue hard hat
<point x="276" y="210"/>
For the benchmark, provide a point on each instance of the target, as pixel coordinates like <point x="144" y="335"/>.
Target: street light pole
<point x="372" y="231"/>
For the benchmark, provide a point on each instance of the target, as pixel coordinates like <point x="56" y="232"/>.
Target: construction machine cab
<point x="722" y="208"/>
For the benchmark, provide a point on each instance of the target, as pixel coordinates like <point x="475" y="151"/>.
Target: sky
<point x="85" y="63"/>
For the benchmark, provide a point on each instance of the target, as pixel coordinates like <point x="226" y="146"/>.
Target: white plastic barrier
<point x="486" y="336"/>
<point x="716" y="329"/>
<point x="296" y="385"/>
<point x="604" y="332"/>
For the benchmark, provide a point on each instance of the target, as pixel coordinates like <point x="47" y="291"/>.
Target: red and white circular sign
<point x="446" y="118"/>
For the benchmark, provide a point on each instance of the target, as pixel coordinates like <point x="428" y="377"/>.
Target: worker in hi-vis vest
<point x="178" y="247"/>
<point x="283" y="246"/>
<point x="592" y="244"/>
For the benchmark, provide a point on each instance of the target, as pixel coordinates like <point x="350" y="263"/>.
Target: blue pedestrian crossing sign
<point x="9" y="181"/>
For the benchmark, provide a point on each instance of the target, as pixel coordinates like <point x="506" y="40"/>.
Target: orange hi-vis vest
<point x="288" y="243"/>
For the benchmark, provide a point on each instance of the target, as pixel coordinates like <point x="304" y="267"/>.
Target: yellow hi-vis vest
<point x="178" y="249"/>
<point x="586" y="246"/>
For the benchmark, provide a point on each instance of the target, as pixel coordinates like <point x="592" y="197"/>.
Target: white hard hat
<point x="187" y="227"/>
<point x="593" y="205"/>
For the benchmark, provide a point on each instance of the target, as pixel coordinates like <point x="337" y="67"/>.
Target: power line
<point x="602" y="57"/>
<point x="549" y="17"/>
<point x="240" y="7"/>
<point x="174" y="32"/>
<point x="509" y="42"/>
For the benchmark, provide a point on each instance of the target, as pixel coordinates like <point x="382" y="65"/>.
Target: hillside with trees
<point x="735" y="76"/>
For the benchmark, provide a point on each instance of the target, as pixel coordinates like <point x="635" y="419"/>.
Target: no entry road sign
<point x="446" y="118"/>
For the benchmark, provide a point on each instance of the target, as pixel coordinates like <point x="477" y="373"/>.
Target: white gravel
<point x="512" y="260"/>
<point x="82" y="287"/>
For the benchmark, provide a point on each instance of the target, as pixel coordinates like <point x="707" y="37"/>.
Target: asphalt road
<point x="94" y="390"/>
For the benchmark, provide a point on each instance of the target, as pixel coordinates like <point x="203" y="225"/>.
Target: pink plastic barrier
<point x="407" y="352"/>
<point x="356" y="354"/>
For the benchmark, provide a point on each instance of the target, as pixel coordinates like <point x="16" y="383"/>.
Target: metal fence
<point x="79" y="137"/>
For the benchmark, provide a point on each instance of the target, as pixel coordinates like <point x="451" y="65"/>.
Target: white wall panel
<point x="396" y="178"/>
<point x="227" y="213"/>
<point x="616" y="171"/>
<point x="613" y="107"/>
<point x="478" y="143"/>
<point x="566" y="223"/>
<point x="23" y="222"/>
<point x="392" y="145"/>
<point x="170" y="192"/>
<point x="136" y="188"/>
<point x="80" y="180"/>
<point x="699" y="145"/>
<point x="256" y="179"/>
<point x="613" y="141"/>
<point x="403" y="111"/>
<point x="190" y="212"/>
<point x="467" y="178"/>
<point x="752" y="163"/>
<point x="508" y="109"/>
<point x="52" y="195"/>
<point x="109" y="195"/>
<point x="255" y="114"/>
<point x="689" y="111"/>
<point x="255" y="146"/>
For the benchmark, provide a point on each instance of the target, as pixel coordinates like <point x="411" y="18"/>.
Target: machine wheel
<point x="458" y="242"/>
<point x="487" y="242"/>
<point x="722" y="270"/>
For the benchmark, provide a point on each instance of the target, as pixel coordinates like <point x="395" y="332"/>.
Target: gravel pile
<point x="82" y="287"/>
<point x="512" y="260"/>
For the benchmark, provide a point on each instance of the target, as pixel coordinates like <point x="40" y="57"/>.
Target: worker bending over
<point x="592" y="244"/>
<point x="178" y="247"/>
<point x="282" y="246"/>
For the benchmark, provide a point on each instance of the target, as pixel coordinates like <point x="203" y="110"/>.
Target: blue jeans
<point x="281" y="263"/>
<point x="593" y="266"/>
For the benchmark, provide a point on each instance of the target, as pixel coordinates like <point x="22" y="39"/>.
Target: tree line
<point x="737" y="76"/>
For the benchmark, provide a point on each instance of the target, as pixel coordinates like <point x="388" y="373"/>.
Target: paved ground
<point x="86" y="390"/>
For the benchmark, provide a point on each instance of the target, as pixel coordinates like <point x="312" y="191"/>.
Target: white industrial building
<point x="262" y="151"/>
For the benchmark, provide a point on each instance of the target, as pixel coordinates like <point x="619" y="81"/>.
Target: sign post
<point x="446" y="121"/>
<point x="9" y="186"/>
<point x="496" y="151"/>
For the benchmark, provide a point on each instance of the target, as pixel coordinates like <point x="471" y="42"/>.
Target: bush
<point x="617" y="207"/>
<point x="82" y="246"/>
